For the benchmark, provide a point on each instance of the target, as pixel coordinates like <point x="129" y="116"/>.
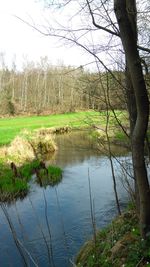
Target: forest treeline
<point x="46" y="90"/>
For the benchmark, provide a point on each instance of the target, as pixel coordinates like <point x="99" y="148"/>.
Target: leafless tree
<point x="113" y="28"/>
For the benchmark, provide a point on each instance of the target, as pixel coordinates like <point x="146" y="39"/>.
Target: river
<point x="51" y="224"/>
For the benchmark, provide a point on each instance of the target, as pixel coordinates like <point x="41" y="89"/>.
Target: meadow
<point x="11" y="127"/>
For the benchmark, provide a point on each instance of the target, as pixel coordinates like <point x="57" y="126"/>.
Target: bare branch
<point x="75" y="30"/>
<point x="99" y="26"/>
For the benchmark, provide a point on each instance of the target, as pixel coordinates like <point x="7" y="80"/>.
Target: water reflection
<point x="53" y="223"/>
<point x="76" y="147"/>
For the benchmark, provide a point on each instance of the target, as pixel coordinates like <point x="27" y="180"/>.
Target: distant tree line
<point x="44" y="89"/>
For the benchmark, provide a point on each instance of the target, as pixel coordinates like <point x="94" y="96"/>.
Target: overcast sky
<point x="19" y="40"/>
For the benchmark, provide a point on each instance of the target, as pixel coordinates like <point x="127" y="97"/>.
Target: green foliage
<point x="94" y="135"/>
<point x="53" y="177"/>
<point x="12" y="187"/>
<point x="120" y="136"/>
<point x="55" y="174"/>
<point x="119" y="244"/>
<point x="27" y="169"/>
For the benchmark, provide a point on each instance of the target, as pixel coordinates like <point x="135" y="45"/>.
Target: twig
<point x="28" y="253"/>
<point x="73" y="264"/>
<point x="48" y="227"/>
<point x="138" y="264"/>
<point x="13" y="233"/>
<point x="92" y="210"/>
<point x="43" y="235"/>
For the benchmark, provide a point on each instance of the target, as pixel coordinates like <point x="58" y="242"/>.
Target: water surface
<point x="52" y="223"/>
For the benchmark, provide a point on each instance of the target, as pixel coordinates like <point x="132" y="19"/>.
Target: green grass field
<point x="10" y="127"/>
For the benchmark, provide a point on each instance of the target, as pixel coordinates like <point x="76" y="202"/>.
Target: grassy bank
<point x="23" y="158"/>
<point x="118" y="245"/>
<point x="14" y="180"/>
<point x="11" y="127"/>
<point x="28" y="146"/>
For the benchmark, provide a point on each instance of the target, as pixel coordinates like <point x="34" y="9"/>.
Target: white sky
<point x="16" y="38"/>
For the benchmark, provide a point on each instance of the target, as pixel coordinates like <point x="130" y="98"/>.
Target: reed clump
<point x="51" y="175"/>
<point x="28" y="146"/>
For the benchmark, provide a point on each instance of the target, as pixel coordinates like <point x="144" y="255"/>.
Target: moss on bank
<point x="118" y="245"/>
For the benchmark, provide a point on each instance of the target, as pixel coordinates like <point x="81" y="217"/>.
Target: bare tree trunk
<point x="131" y="104"/>
<point x="45" y="90"/>
<point x="130" y="99"/>
<point x="126" y="16"/>
<point x="25" y="92"/>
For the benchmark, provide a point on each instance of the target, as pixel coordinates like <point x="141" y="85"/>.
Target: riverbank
<point x="35" y="140"/>
<point x="117" y="245"/>
<point x="22" y="159"/>
<point x="67" y="206"/>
